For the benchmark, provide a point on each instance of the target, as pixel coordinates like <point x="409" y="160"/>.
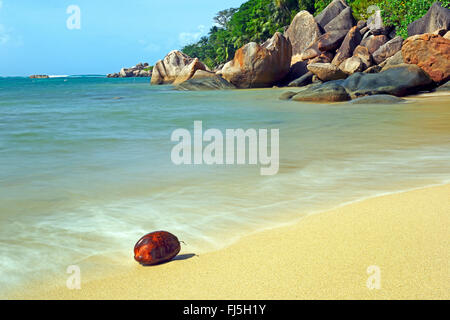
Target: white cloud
<point x="185" y="38"/>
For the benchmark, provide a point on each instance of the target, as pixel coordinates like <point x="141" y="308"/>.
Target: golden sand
<point x="324" y="256"/>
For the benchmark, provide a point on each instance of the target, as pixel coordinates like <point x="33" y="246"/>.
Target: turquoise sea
<point x="85" y="166"/>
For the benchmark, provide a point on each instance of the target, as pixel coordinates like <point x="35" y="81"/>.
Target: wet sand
<point x="404" y="236"/>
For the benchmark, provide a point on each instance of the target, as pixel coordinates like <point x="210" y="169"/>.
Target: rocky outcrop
<point x="138" y="71"/>
<point x="326" y="92"/>
<point x="297" y="70"/>
<point x="373" y="43"/>
<point x="302" y="33"/>
<point x="303" y="80"/>
<point x="167" y="70"/>
<point x="324" y="57"/>
<point x="326" y="71"/>
<point x="396" y="59"/>
<point x="345" y="51"/>
<point x="363" y="54"/>
<point x="436" y="18"/>
<point x="330" y="12"/>
<point x="257" y="65"/>
<point x="39" y="76"/>
<point x="387" y="50"/>
<point x="430" y="52"/>
<point x="344" y="21"/>
<point x="188" y="71"/>
<point x="204" y="80"/>
<point x="352" y="65"/>
<point x="331" y="40"/>
<point x="398" y="81"/>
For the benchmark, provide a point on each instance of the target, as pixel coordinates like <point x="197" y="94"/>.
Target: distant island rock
<point x="39" y="76"/>
<point x="141" y="70"/>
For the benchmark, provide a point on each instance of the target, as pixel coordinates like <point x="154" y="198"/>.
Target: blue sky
<point x="35" y="39"/>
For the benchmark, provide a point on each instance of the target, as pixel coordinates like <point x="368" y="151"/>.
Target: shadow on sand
<point x="179" y="257"/>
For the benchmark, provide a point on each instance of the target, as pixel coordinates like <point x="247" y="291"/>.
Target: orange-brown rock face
<point x="431" y="53"/>
<point x="257" y="66"/>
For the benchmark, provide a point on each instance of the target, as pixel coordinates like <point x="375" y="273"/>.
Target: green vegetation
<point x="255" y="20"/>
<point x="400" y="13"/>
<point x="258" y="20"/>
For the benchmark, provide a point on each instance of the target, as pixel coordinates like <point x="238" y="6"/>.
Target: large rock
<point x="167" y="70"/>
<point x="188" y="71"/>
<point x="398" y="81"/>
<point x="364" y="54"/>
<point x="387" y="50"/>
<point x="436" y="18"/>
<point x="331" y="12"/>
<point x="205" y="80"/>
<point x="344" y="21"/>
<point x="375" y="21"/>
<point x="302" y="33"/>
<point x="373" y="43"/>
<point x="431" y="52"/>
<point x="326" y="92"/>
<point x="257" y="65"/>
<point x="352" y="65"/>
<point x="345" y="51"/>
<point x="326" y="71"/>
<point x="331" y="40"/>
<point x="396" y="59"/>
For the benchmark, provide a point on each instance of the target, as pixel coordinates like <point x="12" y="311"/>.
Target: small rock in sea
<point x="156" y="247"/>
<point x="39" y="76"/>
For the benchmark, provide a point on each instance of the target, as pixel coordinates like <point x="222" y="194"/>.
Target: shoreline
<point x="269" y="268"/>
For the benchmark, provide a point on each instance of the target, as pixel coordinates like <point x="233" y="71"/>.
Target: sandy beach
<point x="324" y="256"/>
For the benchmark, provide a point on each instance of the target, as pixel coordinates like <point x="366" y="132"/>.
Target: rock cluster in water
<point x="39" y="76"/>
<point x="140" y="70"/>
<point x="331" y="57"/>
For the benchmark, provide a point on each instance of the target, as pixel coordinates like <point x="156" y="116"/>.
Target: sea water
<point x="85" y="166"/>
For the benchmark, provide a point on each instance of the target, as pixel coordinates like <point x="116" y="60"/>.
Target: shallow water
<point x="85" y="166"/>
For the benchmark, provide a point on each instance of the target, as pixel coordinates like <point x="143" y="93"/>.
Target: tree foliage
<point x="400" y="13"/>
